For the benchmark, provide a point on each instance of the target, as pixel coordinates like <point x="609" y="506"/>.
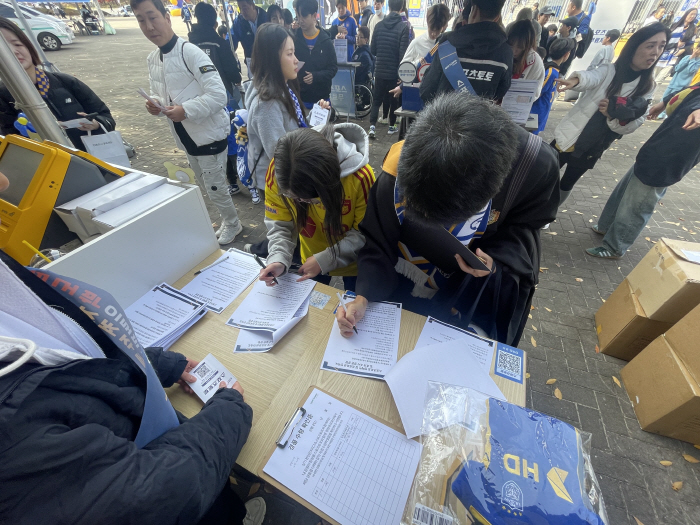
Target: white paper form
<point x="162" y="314"/>
<point x="270" y="307"/>
<point x="219" y="285"/>
<point x="373" y="350"/>
<point x="692" y="256"/>
<point x="263" y="341"/>
<point x="435" y="331"/>
<point x="318" y="116"/>
<point x="346" y="464"/>
<point x="210" y="373"/>
<point x="75" y="123"/>
<point x="519" y="99"/>
<point x="450" y="362"/>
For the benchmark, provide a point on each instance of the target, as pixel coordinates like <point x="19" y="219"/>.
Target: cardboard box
<point x="684" y="338"/>
<point x="665" y="397"/>
<point x="667" y="281"/>
<point x="623" y="327"/>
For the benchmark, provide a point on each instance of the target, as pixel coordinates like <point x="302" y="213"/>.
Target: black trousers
<point x="382" y="97"/>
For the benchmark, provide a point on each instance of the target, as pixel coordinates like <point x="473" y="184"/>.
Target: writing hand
<point x="271" y="271"/>
<point x="488" y="261"/>
<point x="186" y="377"/>
<point x="309" y="269"/>
<point x="355" y="313"/>
<point x="175" y="113"/>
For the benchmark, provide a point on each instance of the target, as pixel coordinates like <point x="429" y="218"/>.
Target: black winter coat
<point x="68" y="96"/>
<point x="67" y="439"/>
<point x="241" y="31"/>
<point x="219" y="50"/>
<point x="321" y="62"/>
<point x="389" y="44"/>
<point x="486" y="58"/>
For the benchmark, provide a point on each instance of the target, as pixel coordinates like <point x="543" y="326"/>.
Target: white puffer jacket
<point x="593" y="84"/>
<point x="186" y="77"/>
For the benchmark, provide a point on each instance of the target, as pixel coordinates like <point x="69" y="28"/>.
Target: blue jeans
<point x="627" y="212"/>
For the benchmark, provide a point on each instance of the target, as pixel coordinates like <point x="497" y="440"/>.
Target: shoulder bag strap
<point x="452" y="68"/>
<point x="527" y="158"/>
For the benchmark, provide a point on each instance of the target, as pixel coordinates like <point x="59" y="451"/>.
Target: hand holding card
<point x="209" y="373"/>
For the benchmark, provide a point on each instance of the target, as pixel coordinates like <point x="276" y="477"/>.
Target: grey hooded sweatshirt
<point x="352" y="145"/>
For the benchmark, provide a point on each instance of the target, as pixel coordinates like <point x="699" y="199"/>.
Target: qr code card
<point x="209" y="373"/>
<point x="319" y="300"/>
<point x="509" y="363"/>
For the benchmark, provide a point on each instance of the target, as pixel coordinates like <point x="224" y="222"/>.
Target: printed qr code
<point x="202" y="371"/>
<point x="509" y="365"/>
<point x="424" y="516"/>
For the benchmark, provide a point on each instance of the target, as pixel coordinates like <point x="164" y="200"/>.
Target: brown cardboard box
<point x="665" y="396"/>
<point x="666" y="282"/>
<point x="684" y="338"/>
<point x="623" y="327"/>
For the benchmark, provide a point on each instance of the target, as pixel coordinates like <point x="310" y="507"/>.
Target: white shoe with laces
<point x="228" y="233"/>
<point x="256" y="511"/>
<point x="219" y="230"/>
<point x="254" y="196"/>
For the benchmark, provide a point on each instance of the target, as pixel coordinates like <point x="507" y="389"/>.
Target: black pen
<point x="262" y="265"/>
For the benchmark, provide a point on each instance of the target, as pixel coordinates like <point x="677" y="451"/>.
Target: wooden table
<point x="276" y="381"/>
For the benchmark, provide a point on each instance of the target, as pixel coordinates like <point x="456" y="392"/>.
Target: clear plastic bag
<point x="490" y="462"/>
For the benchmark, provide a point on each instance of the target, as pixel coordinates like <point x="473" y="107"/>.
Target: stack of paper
<point x="218" y="284"/>
<point x="268" y="313"/>
<point x="161" y="316"/>
<point x="373" y="350"/>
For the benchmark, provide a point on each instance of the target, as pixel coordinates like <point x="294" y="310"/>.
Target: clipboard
<point x="282" y="488"/>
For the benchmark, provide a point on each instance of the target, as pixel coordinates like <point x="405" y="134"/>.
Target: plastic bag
<point x="490" y="462"/>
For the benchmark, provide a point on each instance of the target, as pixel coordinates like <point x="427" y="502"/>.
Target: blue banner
<point x="103" y="310"/>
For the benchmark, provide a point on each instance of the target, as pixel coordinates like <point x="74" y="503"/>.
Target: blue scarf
<point x="297" y="107"/>
<point x="427" y="277"/>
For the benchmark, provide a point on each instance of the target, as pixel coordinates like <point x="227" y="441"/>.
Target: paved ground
<point x="571" y="289"/>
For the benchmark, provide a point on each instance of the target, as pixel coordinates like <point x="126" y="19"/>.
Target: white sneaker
<point x="228" y="233"/>
<point x="255" y="514"/>
<point x="254" y="196"/>
<point x="219" y="230"/>
<point x="247" y="247"/>
<point x="372" y="132"/>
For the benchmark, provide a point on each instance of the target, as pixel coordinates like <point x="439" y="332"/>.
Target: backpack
<point x="245" y="175"/>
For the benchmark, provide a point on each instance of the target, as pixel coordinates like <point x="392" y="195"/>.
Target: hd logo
<point x="555" y="476"/>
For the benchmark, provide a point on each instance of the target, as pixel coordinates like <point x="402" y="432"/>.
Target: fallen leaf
<point x="534" y="327"/>
<point x="551" y="381"/>
<point x="527" y="375"/>
<point x="571" y="231"/>
<point x="617" y="381"/>
<point x="681" y="219"/>
<point x="674" y="223"/>
<point x="597" y="349"/>
<point x="666" y="463"/>
<point x="686" y="229"/>
<point x="564" y="211"/>
<point x="648" y="239"/>
<point x="595" y="196"/>
<point x="551" y="233"/>
<point x="578" y="212"/>
<point x="557" y="394"/>
<point x="253" y="489"/>
<point x="638" y="522"/>
<point x="691" y="459"/>
<point x="532" y="340"/>
<point x="697" y="446"/>
<point x="532" y="307"/>
<point x="529" y="316"/>
<point x="542" y="269"/>
<point x="677" y="485"/>
<point x="590" y="220"/>
<point x="547" y="309"/>
<point x="579" y="280"/>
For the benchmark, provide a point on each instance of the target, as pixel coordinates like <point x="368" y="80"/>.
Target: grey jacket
<point x="352" y="145"/>
<point x="267" y="122"/>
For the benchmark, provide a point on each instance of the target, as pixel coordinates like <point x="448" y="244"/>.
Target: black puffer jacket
<point x="389" y="44"/>
<point x="486" y="57"/>
<point x="219" y="50"/>
<point x="321" y="62"/>
<point x="68" y="96"/>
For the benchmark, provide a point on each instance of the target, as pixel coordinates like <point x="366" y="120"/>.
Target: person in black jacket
<point x="68" y="425"/>
<point x="364" y="14"/>
<point x="246" y="24"/>
<point x="465" y="163"/>
<point x="314" y="47"/>
<point x="483" y="51"/>
<point x="389" y="44"/>
<point x="205" y="37"/>
<point x="669" y="154"/>
<point x="67" y="97"/>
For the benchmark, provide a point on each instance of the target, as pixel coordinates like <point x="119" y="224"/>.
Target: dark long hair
<point x="681" y="21"/>
<point x="14" y="28"/>
<point x="624" y="61"/>
<point x="307" y="167"/>
<point x="523" y="32"/>
<point x="267" y="71"/>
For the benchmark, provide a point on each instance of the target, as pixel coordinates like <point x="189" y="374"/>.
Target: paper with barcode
<point x="210" y="373"/>
<point x="423" y="515"/>
<point x="318" y="116"/>
<point x="451" y="362"/>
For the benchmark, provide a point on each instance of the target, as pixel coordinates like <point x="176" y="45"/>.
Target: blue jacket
<point x="351" y="25"/>
<point x="543" y="105"/>
<point x="363" y="73"/>
<point x="242" y="31"/>
<point x="685" y="71"/>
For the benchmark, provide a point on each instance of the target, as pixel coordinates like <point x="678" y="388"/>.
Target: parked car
<point x="50" y="35"/>
<point x="125" y="10"/>
<point x="30" y="11"/>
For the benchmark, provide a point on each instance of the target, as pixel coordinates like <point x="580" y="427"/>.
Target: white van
<point x="50" y="34"/>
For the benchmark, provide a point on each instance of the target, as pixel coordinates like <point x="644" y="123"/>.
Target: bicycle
<point x="363" y="100"/>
